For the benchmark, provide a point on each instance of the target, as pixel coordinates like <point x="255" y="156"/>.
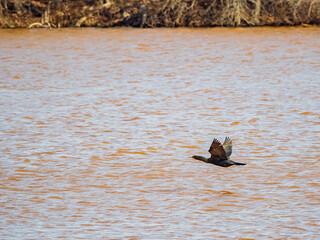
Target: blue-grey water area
<point x="98" y="126"/>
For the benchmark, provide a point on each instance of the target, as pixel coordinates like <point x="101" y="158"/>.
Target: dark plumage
<point x="220" y="154"/>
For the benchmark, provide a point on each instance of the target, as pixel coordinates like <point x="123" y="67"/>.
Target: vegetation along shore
<point x="157" y="13"/>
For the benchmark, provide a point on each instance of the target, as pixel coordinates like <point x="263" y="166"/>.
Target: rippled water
<point x="98" y="127"/>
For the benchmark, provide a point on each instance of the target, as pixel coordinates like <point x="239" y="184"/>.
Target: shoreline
<point x="157" y="13"/>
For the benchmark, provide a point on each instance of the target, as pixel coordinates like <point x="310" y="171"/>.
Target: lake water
<point x="98" y="127"/>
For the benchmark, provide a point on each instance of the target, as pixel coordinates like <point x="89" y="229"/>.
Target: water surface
<point x="98" y="127"/>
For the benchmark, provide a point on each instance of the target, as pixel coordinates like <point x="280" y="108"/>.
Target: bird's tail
<point x="200" y="158"/>
<point x="239" y="163"/>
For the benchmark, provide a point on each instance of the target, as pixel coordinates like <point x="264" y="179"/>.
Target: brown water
<point x="98" y="127"/>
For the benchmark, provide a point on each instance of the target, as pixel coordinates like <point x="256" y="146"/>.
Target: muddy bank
<point x="157" y="13"/>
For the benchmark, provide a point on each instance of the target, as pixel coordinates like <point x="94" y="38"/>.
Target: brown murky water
<point x="98" y="127"/>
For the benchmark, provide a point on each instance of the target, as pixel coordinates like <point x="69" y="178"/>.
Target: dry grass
<point x="158" y="13"/>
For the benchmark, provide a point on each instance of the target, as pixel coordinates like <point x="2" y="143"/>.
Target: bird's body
<point x="220" y="154"/>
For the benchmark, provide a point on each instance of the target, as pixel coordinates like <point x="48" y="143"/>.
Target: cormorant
<point x="220" y="154"/>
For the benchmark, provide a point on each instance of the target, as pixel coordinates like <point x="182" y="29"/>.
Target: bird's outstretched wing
<point x="227" y="146"/>
<point x="216" y="150"/>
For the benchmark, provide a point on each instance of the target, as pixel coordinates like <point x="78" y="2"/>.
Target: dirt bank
<point x="157" y="13"/>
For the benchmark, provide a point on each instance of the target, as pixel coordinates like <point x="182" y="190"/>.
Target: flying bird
<point x="220" y="154"/>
